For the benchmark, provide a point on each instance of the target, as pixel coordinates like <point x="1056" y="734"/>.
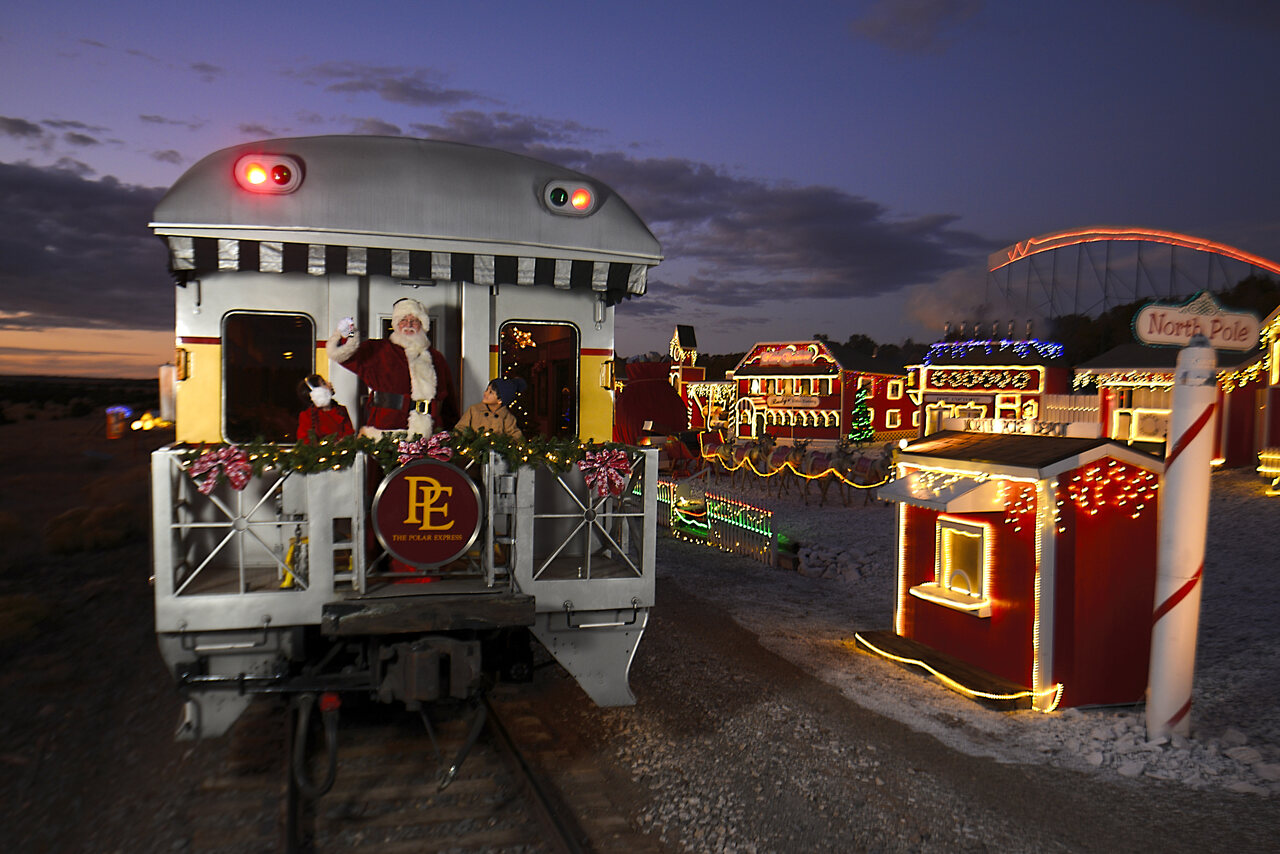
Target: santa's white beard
<point x="414" y="345"/>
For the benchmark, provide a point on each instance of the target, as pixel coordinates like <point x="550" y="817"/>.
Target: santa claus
<point x="410" y="387"/>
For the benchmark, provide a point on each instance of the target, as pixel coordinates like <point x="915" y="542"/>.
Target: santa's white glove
<point x="347" y="327"/>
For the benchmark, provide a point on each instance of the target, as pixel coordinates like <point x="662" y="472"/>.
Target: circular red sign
<point x="427" y="512"/>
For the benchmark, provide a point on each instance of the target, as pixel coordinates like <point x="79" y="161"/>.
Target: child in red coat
<point x="323" y="418"/>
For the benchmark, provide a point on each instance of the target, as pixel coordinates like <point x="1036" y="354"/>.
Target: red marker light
<point x="268" y="173"/>
<point x="580" y="199"/>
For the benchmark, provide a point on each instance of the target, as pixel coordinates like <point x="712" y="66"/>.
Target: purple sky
<point x="814" y="167"/>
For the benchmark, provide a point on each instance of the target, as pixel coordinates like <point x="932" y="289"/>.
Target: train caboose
<point x="277" y="578"/>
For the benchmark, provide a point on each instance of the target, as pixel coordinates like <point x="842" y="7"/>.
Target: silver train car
<point x="276" y="581"/>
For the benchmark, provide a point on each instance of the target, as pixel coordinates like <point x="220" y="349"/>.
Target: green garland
<point x="558" y="454"/>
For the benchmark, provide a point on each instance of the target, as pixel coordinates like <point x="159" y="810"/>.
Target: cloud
<point x="68" y="124"/>
<point x="397" y="85"/>
<point x="21" y="129"/>
<point x="732" y="241"/>
<point x="256" y="131"/>
<point x="189" y="124"/>
<point x="914" y="26"/>
<point x="509" y="131"/>
<point x="80" y="140"/>
<point x="376" y="127"/>
<point x="76" y="252"/>
<point x="75" y="167"/>
<point x="207" y="71"/>
<point x="168" y="155"/>
<point x="746" y="240"/>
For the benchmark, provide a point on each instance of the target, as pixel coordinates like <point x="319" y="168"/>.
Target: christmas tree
<point x="860" y="429"/>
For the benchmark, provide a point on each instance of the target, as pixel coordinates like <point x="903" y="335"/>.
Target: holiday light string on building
<point x="986" y="378"/>
<point x="948" y="352"/>
<point x="1119" y="485"/>
<point x="1019" y="500"/>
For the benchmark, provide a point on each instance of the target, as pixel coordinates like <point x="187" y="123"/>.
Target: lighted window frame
<point x="894" y="390"/>
<point x="892" y="419"/>
<point x="1006" y="403"/>
<point x="962" y="565"/>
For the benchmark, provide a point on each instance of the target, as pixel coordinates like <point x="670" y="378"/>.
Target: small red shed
<point x="1032" y="558"/>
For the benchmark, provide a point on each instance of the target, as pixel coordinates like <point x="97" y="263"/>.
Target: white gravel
<point x="845" y="583"/>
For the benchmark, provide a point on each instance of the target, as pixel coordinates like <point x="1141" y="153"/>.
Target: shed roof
<point x="1038" y="456"/>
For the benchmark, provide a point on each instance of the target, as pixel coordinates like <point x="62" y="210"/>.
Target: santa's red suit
<point x="410" y="387"/>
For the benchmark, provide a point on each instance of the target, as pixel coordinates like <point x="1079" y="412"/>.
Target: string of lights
<point x="948" y="352"/>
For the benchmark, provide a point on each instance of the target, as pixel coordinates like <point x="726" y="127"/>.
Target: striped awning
<point x="198" y="255"/>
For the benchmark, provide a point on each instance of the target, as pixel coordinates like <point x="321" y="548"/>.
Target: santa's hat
<point x="409" y="306"/>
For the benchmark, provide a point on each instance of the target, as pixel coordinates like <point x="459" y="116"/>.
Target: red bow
<point x="606" y="471"/>
<point x="229" y="462"/>
<point x="435" y="447"/>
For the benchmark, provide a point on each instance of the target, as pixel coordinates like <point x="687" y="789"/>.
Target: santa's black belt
<point x="387" y="400"/>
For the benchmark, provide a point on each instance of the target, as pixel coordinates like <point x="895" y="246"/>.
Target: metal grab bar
<point x="635" y="615"/>
<point x="191" y="644"/>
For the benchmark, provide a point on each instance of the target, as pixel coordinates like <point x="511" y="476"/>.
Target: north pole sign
<point x="1164" y="325"/>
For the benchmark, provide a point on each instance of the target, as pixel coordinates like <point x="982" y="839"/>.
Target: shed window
<point x="962" y="567"/>
<point x="264" y="357"/>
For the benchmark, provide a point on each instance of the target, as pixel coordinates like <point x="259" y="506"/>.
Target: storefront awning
<point x="952" y="495"/>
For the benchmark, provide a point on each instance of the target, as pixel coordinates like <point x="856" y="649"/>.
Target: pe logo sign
<point x="427" y="513"/>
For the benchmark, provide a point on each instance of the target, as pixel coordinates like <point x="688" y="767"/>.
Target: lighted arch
<point x="1103" y="233"/>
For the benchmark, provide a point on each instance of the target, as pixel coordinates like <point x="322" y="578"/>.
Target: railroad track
<point x="515" y="792"/>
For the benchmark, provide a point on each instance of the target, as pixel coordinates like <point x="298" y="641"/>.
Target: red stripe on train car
<point x="195" y="339"/>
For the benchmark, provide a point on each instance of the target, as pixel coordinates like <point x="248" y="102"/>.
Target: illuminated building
<point x="1001" y="379"/>
<point x="796" y="390"/>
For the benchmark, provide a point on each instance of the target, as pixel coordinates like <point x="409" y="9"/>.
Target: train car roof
<point x="413" y="208"/>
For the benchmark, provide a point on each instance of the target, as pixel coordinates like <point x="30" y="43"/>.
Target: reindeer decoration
<point x="752" y="458"/>
<point x="865" y="469"/>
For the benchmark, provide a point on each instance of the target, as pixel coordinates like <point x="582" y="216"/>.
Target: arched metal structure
<point x="1038" y="278"/>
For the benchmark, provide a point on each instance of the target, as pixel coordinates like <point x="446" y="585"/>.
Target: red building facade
<point x="800" y="390"/>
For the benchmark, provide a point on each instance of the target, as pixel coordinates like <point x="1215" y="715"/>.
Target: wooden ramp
<point x="990" y="690"/>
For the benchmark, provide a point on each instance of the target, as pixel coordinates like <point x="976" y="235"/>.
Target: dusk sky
<point x="809" y="167"/>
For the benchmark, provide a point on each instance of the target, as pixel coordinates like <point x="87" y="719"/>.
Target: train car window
<point x="264" y="356"/>
<point x="545" y="356"/>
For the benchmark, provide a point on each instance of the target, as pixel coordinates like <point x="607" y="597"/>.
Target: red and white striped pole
<point x="1184" y="522"/>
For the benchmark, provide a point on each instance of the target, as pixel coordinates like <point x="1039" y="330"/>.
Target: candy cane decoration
<point x="1184" y="521"/>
